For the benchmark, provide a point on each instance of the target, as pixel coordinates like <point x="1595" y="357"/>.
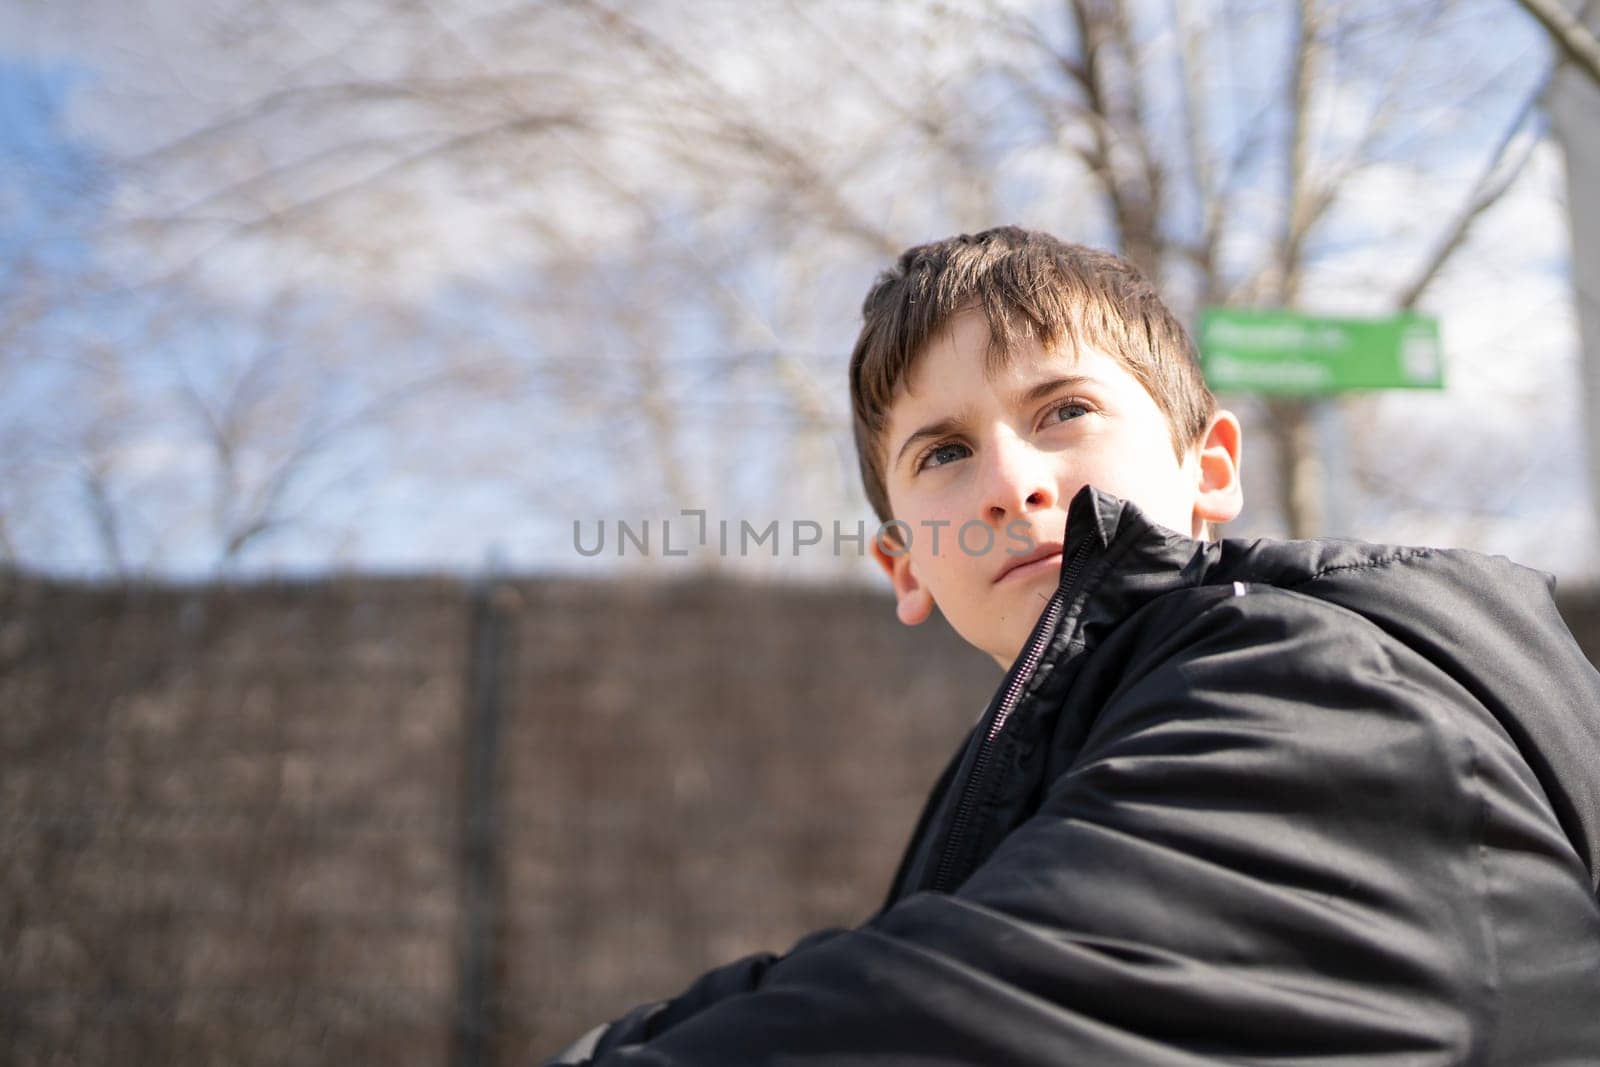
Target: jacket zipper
<point x="943" y="880"/>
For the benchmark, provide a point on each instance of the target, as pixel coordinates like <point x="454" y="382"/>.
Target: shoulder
<point x="1295" y="679"/>
<point x="1255" y="632"/>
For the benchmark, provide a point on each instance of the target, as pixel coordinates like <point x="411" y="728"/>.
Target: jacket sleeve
<point x="1263" y="849"/>
<point x="649" y="1020"/>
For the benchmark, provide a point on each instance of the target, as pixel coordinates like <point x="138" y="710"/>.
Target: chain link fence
<point x="432" y="822"/>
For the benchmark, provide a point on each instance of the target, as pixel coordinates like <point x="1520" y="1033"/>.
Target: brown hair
<point x="1028" y="285"/>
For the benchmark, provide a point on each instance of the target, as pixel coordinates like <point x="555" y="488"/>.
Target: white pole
<point x="1574" y="103"/>
<point x="1334" y="450"/>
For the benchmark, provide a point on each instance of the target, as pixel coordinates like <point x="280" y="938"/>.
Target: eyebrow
<point x="938" y="428"/>
<point x="952" y="423"/>
<point x="1050" y="385"/>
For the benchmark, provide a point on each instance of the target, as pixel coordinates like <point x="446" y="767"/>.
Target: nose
<point x="1018" y="480"/>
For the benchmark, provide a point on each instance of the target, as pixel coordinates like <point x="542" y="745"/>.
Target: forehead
<point x="958" y="366"/>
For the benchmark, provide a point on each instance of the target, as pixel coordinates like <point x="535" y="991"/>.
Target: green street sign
<point x="1286" y="352"/>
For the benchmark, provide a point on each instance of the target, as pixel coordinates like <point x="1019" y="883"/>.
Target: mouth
<point x="1041" y="560"/>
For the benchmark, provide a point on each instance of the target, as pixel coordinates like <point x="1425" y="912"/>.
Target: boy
<point x="1235" y="802"/>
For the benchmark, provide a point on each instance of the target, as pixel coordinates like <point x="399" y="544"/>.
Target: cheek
<point x="1167" y="490"/>
<point x="1145" y="474"/>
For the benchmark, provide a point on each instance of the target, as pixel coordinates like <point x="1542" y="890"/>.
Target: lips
<point x="1040" y="560"/>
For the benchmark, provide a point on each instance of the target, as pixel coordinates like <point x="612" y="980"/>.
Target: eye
<point x="939" y="455"/>
<point x="1068" y="410"/>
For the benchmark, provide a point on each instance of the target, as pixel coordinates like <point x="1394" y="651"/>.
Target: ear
<point x="1219" y="494"/>
<point x="913" y="602"/>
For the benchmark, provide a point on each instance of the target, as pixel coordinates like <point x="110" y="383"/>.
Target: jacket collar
<point x="1130" y="560"/>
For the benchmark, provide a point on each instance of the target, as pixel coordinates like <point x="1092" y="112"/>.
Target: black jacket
<point x="1240" y="802"/>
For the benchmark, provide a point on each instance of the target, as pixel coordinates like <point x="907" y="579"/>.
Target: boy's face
<point x="1008" y="453"/>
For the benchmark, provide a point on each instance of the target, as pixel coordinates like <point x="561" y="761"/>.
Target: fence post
<point x="488" y="661"/>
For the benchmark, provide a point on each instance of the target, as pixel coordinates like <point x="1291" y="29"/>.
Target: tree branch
<point x="1486" y="191"/>
<point x="1574" y="39"/>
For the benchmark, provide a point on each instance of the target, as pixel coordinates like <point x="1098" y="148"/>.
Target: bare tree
<point x="686" y="205"/>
